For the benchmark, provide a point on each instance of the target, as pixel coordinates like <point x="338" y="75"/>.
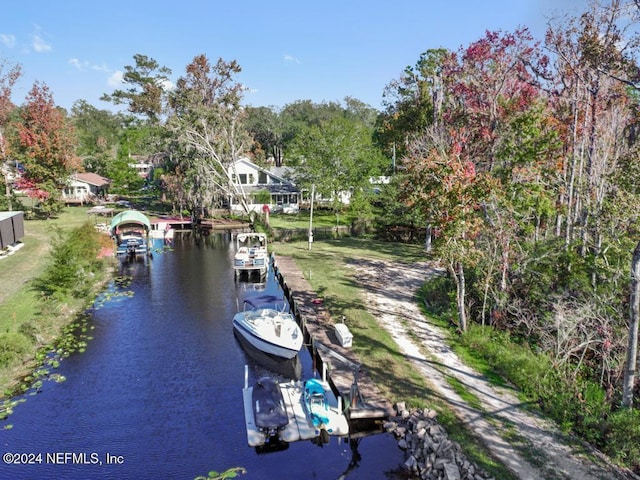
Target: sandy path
<point x="391" y="292"/>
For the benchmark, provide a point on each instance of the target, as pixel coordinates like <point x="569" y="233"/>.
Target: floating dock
<point x="299" y="426"/>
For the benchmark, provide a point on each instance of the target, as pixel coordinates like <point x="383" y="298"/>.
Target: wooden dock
<point x="360" y="396"/>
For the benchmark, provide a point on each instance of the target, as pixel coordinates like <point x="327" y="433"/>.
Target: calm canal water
<point x="157" y="393"/>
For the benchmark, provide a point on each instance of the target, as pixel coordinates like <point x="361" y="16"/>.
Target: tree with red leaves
<point x="46" y="147"/>
<point x="489" y="82"/>
<point x="447" y="189"/>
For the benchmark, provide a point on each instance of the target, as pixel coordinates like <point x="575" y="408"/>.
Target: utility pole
<point x="313" y="194"/>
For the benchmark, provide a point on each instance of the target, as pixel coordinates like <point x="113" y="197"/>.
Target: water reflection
<point x="264" y="364"/>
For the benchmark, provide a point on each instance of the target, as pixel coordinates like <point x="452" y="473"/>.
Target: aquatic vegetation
<point x="73" y="339"/>
<point x="7" y="405"/>
<point x="119" y="288"/>
<point x="230" y="473"/>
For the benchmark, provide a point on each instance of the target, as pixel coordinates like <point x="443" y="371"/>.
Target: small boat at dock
<point x="266" y="325"/>
<point x="130" y="229"/>
<point x="131" y="243"/>
<point x="299" y="426"/>
<point x="251" y="254"/>
<point x="269" y="413"/>
<point x="326" y="417"/>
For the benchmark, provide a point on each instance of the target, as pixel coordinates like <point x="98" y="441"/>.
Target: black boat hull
<point x="270" y="414"/>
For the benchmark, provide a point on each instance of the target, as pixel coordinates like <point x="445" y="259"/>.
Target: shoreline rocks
<point x="429" y="453"/>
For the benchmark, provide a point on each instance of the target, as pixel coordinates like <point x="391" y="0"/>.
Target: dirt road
<point x="391" y="290"/>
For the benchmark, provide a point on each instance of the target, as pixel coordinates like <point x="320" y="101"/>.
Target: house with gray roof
<point x="251" y="179"/>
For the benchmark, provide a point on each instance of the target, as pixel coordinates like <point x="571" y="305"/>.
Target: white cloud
<point x="100" y="68"/>
<point x="80" y="65"/>
<point x="39" y="45"/>
<point x="291" y="59"/>
<point x="84" y="65"/>
<point x="115" y="79"/>
<point x="8" y="40"/>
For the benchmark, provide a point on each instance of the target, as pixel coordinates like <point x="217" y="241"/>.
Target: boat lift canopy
<point x="130" y="217"/>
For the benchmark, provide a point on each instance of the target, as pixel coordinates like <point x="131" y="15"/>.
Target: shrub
<point x="576" y="404"/>
<point x="622" y="437"/>
<point x="439" y="294"/>
<point x="74" y="260"/>
<point x="13" y="345"/>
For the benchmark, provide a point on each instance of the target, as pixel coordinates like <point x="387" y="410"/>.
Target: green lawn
<point x="322" y="218"/>
<point x="19" y="303"/>
<point x="28" y="262"/>
<point x="326" y="266"/>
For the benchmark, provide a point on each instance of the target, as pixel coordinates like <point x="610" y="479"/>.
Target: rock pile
<point x="429" y="453"/>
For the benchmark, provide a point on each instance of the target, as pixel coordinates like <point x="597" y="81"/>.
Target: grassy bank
<point x="326" y="266"/>
<point x="35" y="306"/>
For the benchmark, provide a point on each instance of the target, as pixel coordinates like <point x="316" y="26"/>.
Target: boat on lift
<point x="269" y="411"/>
<point x="326" y="417"/>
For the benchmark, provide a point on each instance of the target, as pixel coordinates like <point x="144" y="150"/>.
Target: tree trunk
<point x="427" y="239"/>
<point x="458" y="273"/>
<point x="632" y="350"/>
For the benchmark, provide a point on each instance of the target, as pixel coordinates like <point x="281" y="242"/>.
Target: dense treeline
<point x="514" y="159"/>
<point x="524" y="169"/>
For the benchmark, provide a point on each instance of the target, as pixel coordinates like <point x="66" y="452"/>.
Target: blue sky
<point x="288" y="50"/>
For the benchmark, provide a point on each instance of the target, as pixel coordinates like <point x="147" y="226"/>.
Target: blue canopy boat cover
<point x="264" y="301"/>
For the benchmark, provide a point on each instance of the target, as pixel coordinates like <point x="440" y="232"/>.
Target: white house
<point x="85" y="188"/>
<point x="251" y="179"/>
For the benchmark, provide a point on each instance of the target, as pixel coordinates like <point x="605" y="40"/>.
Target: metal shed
<point x="11" y="228"/>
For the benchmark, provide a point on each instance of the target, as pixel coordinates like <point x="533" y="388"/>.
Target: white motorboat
<point x="251" y="253"/>
<point x="269" y="328"/>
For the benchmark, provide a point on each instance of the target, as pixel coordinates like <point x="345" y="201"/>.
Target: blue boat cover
<point x="263" y="300"/>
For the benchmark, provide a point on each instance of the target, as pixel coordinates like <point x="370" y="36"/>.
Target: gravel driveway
<point x="391" y="290"/>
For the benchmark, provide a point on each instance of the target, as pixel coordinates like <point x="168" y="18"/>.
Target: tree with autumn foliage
<point x="45" y="145"/>
<point x="482" y="91"/>
<point x="446" y="188"/>
<point x="543" y="247"/>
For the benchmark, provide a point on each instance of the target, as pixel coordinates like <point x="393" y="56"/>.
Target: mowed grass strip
<point x="326" y="267"/>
